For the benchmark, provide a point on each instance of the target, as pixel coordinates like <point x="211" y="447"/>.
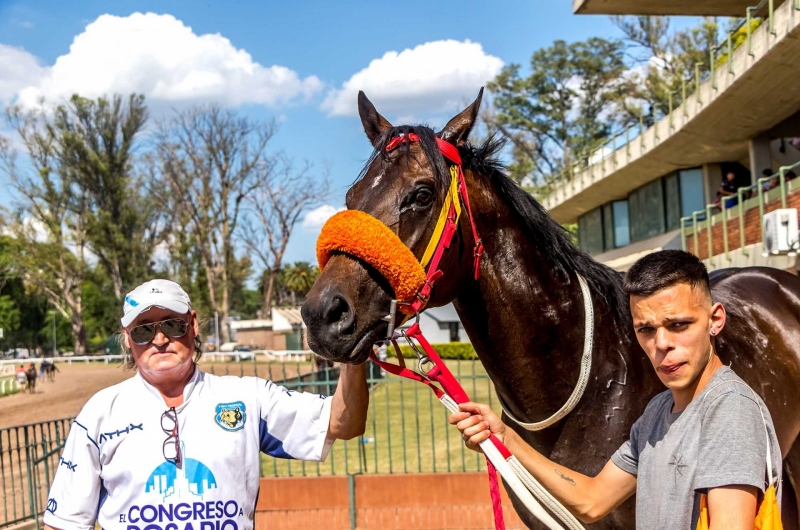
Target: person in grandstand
<point x="708" y="434"/>
<point x="175" y="448"/>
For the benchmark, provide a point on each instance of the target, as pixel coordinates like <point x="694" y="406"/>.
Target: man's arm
<point x="350" y="403"/>
<point x="732" y="507"/>
<point x="588" y="498"/>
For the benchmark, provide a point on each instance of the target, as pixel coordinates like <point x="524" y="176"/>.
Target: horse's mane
<point x="550" y="237"/>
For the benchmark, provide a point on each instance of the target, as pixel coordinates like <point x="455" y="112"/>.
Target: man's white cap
<point x="155" y="293"/>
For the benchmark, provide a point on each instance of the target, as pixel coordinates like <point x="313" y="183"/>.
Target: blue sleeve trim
<point x="271" y="445"/>
<point x="87" y="435"/>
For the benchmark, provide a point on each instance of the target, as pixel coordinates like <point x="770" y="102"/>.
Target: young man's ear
<point x="717" y="319"/>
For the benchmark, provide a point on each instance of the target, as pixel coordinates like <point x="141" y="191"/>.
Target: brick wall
<point x="752" y="228"/>
<point x="382" y="502"/>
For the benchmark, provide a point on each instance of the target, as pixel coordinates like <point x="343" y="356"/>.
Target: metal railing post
<point x="725" y="233"/>
<point x="709" y="223"/>
<point x="730" y="52"/>
<point x="683" y="97"/>
<point x="772" y="17"/>
<point x="628" y="137"/>
<point x="697" y="83"/>
<point x="742" y="240"/>
<point x="683" y="232"/>
<point x="782" y="171"/>
<point x="749" y="32"/>
<point x="694" y="231"/>
<point x="351" y="488"/>
<point x="671" y="126"/>
<point x="712" y="66"/>
<point x="760" y="184"/>
<point x="641" y="132"/>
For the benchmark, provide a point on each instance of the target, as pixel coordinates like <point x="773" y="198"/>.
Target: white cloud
<point x="18" y="69"/>
<point x="160" y="57"/>
<point x="314" y="219"/>
<point x="433" y="77"/>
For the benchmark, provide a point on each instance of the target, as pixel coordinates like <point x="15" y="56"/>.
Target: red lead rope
<point x="448" y="385"/>
<point x="439" y="373"/>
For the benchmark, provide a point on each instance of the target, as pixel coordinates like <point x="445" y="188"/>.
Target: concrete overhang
<point x="724" y="8"/>
<point x="712" y="125"/>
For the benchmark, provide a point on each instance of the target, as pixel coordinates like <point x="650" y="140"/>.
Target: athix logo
<point x="189" y="481"/>
<point x="119" y="432"/>
<point x="67" y="463"/>
<point x="52" y="505"/>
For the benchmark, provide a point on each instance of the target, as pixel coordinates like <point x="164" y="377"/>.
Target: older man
<point x="175" y="448"/>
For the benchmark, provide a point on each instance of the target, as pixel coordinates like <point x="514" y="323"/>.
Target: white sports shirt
<point x="113" y="468"/>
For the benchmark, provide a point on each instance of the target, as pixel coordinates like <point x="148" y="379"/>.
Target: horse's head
<point x="404" y="188"/>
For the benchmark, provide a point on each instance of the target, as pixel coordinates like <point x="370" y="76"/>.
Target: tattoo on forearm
<point x="564" y="477"/>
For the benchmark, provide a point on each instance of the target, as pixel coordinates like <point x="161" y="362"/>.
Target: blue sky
<point x="304" y="55"/>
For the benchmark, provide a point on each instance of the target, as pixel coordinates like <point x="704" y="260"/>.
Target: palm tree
<point x="298" y="279"/>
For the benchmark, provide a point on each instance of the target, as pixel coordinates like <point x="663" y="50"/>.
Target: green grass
<point x="407" y="432"/>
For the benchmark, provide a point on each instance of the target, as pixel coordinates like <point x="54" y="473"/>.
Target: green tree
<point x="99" y="139"/>
<point x="663" y="60"/>
<point x="567" y="103"/>
<point x="48" y="223"/>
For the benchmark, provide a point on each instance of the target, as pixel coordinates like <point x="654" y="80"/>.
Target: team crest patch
<point x="231" y="416"/>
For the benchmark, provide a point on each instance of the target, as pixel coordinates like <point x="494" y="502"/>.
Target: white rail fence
<point x="283" y="356"/>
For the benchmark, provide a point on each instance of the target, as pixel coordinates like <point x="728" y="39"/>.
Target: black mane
<point x="550" y="237"/>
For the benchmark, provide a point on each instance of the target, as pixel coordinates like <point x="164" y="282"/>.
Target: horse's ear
<point x="374" y="124"/>
<point x="457" y="129"/>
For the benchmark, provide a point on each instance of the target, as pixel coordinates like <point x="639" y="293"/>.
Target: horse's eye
<point x="423" y="197"/>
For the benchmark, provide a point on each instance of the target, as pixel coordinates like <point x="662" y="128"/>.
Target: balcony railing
<point x="748" y="199"/>
<point x="593" y="159"/>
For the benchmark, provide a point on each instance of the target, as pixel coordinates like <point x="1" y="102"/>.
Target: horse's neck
<point x="526" y="321"/>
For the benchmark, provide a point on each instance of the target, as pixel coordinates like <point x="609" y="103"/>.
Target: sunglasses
<point x="171" y="448"/>
<point x="173" y="328"/>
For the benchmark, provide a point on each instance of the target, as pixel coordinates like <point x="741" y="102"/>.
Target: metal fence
<point x="29" y="457"/>
<point x="747" y="198"/>
<point x="407" y="432"/>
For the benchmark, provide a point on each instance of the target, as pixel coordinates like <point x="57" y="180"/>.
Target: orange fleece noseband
<point x="366" y="238"/>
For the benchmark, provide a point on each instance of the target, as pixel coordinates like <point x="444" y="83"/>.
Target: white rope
<point x="586" y="367"/>
<point x="539" y="491"/>
<point x="509" y="474"/>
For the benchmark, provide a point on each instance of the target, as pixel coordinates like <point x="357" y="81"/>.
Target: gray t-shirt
<point x="718" y="440"/>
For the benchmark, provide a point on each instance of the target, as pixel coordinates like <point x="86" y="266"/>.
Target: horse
<point x="30" y="374"/>
<point x="49" y="368"/>
<point x="525" y="312"/>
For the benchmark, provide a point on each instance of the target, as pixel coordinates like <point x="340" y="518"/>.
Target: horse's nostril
<point x="339" y="315"/>
<point x="336" y="310"/>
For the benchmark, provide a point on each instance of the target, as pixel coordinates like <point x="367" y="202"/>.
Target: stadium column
<point x="760" y="157"/>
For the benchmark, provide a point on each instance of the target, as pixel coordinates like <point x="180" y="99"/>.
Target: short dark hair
<point x="664" y="269"/>
<point x="767" y="172"/>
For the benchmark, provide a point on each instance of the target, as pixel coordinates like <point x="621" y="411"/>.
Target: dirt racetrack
<point x="76" y="383"/>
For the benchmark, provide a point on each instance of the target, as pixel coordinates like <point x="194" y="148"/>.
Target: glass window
<point x="622" y="230"/>
<point x="672" y="201"/>
<point x="608" y="227"/>
<point x="692" y="196"/>
<point x="590" y="231"/>
<point x="646" y="210"/>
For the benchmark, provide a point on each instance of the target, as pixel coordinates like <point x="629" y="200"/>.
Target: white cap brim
<point x="180" y="308"/>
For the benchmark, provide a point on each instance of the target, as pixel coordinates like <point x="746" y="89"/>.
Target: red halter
<point x="450" y="152"/>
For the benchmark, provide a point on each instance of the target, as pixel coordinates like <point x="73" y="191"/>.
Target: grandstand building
<point x="656" y="188"/>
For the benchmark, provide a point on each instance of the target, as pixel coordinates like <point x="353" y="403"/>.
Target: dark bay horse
<point x="525" y="314"/>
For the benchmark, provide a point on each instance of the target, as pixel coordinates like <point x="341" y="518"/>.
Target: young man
<point x="174" y="448"/>
<point x="705" y="434"/>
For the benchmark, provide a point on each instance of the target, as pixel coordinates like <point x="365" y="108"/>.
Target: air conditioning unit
<point x="780" y="231"/>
